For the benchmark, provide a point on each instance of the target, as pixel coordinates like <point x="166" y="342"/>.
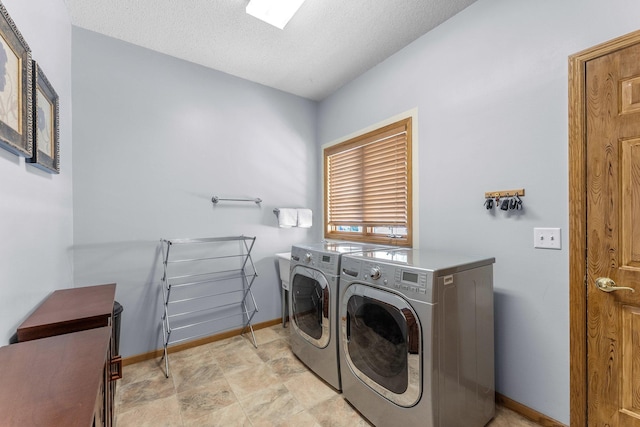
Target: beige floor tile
<point x="199" y="402"/>
<point x="237" y="360"/>
<point x="264" y="336"/>
<point x="201" y="372"/>
<point x="142" y="392"/>
<point x="282" y="332"/>
<point x="274" y="349"/>
<point x="234" y="345"/>
<point x="147" y="370"/>
<point x="158" y="413"/>
<point x="251" y="380"/>
<point x="507" y="418"/>
<point x="287" y="367"/>
<point x="271" y="404"/>
<point x="191" y="354"/>
<point x="336" y="412"/>
<point x="229" y="416"/>
<point x="309" y="390"/>
<point x="301" y="419"/>
<point x="232" y="384"/>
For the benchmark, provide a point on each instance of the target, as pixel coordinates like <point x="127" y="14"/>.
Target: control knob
<point x="307" y="257"/>
<point x="375" y="272"/>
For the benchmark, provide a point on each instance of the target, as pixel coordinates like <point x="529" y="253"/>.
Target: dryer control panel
<point x="415" y="283"/>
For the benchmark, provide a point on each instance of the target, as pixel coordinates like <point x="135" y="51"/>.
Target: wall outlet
<point x="547" y="238"/>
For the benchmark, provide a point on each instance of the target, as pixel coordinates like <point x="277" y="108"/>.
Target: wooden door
<point x="612" y="99"/>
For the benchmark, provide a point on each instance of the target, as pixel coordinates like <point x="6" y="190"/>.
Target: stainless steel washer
<point x="416" y="344"/>
<point x="313" y="304"/>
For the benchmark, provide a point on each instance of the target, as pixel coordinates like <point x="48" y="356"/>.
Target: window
<point x="367" y="187"/>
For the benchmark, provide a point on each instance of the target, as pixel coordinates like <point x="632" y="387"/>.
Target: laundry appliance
<point x="416" y="332"/>
<point x="313" y="304"/>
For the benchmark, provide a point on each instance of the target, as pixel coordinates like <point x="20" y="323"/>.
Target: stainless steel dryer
<point x="417" y="338"/>
<point x="313" y="305"/>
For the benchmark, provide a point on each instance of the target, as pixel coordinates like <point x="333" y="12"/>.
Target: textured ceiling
<point x="325" y="45"/>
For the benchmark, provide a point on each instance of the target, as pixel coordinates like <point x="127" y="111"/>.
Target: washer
<point x="416" y="338"/>
<point x="313" y="304"/>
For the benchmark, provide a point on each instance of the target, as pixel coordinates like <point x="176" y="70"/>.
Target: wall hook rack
<point x="503" y="193"/>
<point x="510" y="199"/>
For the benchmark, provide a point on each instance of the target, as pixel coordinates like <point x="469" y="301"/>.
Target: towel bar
<point x="216" y="199"/>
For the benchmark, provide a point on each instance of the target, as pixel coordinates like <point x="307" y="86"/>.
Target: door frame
<point x="578" y="222"/>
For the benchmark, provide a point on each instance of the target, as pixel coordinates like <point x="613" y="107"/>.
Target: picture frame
<point x="16" y="132"/>
<point x="46" y="123"/>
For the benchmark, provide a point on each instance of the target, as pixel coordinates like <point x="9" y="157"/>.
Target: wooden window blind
<point x="368" y="186"/>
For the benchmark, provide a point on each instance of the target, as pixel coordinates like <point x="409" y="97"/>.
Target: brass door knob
<point x="607" y="285"/>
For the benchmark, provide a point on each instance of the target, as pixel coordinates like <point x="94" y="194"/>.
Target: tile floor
<point x="230" y="383"/>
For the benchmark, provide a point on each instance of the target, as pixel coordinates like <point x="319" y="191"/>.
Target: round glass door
<point x="310" y="305"/>
<point x="381" y="341"/>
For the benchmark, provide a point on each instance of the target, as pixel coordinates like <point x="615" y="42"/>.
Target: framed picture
<point x="46" y="113"/>
<point x="16" y="132"/>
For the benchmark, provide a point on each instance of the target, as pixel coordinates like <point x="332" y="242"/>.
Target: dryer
<point x="416" y="338"/>
<point x="313" y="304"/>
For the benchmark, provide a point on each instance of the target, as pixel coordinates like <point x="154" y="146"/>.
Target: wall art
<point x="16" y="133"/>
<point x="46" y="121"/>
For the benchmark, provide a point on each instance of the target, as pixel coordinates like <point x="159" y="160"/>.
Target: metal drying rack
<point x="205" y="281"/>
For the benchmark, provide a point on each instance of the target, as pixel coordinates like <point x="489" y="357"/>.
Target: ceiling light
<point x="274" y="12"/>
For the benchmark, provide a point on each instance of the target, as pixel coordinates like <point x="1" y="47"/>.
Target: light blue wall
<point x="155" y="139"/>
<point x="36" y="217"/>
<point x="490" y="87"/>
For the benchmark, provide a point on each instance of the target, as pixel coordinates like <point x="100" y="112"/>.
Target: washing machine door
<point x="381" y="341"/>
<point x="310" y="305"/>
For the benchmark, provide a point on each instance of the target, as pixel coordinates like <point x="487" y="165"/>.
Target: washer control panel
<point x="326" y="262"/>
<point x="413" y="282"/>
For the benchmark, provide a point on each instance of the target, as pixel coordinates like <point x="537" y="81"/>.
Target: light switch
<point x="547" y="238"/>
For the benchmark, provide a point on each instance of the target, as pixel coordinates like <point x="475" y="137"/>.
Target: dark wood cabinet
<point x="56" y="381"/>
<point x="70" y="311"/>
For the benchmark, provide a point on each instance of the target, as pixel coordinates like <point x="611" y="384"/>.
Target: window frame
<point x="367" y="233"/>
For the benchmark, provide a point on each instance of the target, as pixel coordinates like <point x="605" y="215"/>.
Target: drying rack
<point x="206" y="285"/>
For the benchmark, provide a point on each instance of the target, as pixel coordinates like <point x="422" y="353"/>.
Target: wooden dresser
<point x="70" y="310"/>
<point x="70" y="314"/>
<point x="57" y="381"/>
